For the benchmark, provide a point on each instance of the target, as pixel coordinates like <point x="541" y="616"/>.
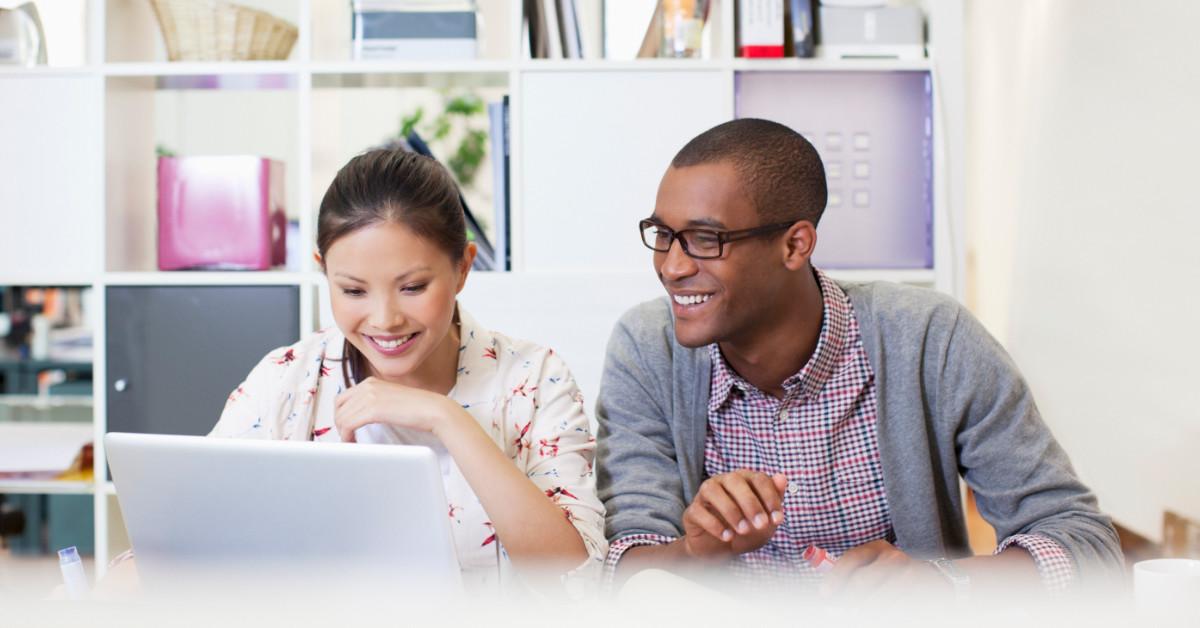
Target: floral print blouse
<point x="521" y="394"/>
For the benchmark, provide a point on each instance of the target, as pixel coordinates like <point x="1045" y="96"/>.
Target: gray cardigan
<point x="951" y="402"/>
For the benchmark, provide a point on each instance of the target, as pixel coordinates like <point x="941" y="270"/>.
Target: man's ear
<point x="799" y="244"/>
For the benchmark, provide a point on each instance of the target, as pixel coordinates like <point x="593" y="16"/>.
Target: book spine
<point x="802" y="28"/>
<point x="760" y="27"/>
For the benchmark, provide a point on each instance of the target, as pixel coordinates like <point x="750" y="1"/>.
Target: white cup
<point x="1167" y="585"/>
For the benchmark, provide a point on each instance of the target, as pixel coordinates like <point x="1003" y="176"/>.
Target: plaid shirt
<point x="822" y="436"/>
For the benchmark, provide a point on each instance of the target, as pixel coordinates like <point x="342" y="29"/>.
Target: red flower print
<point x="324" y="371"/>
<point x="522" y="390"/>
<point x="454" y="511"/>
<point x="490" y="352"/>
<point x="317" y="433"/>
<point x="520" y="441"/>
<point x="235" y="395"/>
<point x="567" y="513"/>
<point x="548" y="447"/>
<point x="557" y="492"/>
<point x="287" y="358"/>
<point x="490" y="539"/>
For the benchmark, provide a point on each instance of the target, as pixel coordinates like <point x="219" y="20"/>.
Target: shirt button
<point x="783" y="415"/>
<point x="793" y="488"/>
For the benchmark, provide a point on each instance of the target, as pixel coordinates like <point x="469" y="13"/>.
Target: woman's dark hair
<point x="395" y="186"/>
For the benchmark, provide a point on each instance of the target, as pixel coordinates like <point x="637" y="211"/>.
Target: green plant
<point x="456" y="125"/>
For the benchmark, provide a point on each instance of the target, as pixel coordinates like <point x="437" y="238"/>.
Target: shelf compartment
<point x="352" y="113"/>
<point x="874" y="133"/>
<point x="190" y="115"/>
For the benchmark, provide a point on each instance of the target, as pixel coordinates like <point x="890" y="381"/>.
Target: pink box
<point x="223" y="212"/>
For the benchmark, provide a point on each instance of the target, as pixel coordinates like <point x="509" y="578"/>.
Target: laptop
<point x="257" y="513"/>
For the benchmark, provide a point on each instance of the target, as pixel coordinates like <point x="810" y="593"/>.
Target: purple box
<point x="874" y="132"/>
<point x="222" y="212"/>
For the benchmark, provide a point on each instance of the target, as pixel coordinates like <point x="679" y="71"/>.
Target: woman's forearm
<point x="533" y="529"/>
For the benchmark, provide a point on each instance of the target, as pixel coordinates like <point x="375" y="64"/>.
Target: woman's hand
<point x="376" y="401"/>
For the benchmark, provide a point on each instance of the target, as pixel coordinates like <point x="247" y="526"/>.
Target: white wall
<point x="1084" y="217"/>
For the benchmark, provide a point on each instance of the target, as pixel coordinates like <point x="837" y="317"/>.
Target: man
<point x="763" y="409"/>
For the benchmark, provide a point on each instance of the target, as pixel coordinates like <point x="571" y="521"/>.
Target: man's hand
<point x="733" y="513"/>
<point x="880" y="567"/>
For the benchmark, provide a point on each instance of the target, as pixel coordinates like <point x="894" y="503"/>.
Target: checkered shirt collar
<point x="808" y="382"/>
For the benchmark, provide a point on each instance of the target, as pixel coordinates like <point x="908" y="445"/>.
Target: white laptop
<point x="243" y="510"/>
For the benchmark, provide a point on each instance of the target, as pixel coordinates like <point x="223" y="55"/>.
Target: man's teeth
<point x="392" y="344"/>
<point x="691" y="299"/>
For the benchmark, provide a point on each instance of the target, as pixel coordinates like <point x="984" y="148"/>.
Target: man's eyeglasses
<point x="700" y="243"/>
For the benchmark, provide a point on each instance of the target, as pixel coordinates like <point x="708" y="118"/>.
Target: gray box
<point x="883" y="32"/>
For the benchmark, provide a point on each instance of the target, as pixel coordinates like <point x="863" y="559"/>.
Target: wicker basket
<point x="210" y="30"/>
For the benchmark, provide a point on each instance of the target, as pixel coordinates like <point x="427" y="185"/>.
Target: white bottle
<point x="74" y="579"/>
<point x="39" y="346"/>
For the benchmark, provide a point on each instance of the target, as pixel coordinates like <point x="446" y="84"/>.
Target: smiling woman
<point x="406" y="365"/>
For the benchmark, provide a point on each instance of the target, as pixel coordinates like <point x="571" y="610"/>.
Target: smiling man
<point x="763" y="413"/>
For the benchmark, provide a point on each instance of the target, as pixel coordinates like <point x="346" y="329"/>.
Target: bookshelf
<point x="597" y="132"/>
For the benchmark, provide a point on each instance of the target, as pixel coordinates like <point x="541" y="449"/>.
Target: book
<point x="760" y="28"/>
<point x="553" y="30"/>
<point x="591" y="28"/>
<point x="498" y="117"/>
<point x="803" y="31"/>
<point x="572" y="46"/>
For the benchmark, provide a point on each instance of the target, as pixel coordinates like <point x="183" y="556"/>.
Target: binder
<point x="498" y="116"/>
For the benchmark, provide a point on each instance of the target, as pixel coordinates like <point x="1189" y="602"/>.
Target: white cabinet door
<point x="51" y="163"/>
<point x="580" y="206"/>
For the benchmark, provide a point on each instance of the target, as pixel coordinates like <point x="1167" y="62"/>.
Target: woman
<point x="406" y="364"/>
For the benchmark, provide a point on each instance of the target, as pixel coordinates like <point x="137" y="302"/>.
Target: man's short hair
<point x="779" y="170"/>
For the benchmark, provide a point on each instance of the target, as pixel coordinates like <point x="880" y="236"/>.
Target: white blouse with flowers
<point x="521" y="394"/>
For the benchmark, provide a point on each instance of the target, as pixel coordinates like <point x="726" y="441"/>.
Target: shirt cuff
<point x="617" y="549"/>
<point x="1054" y="564"/>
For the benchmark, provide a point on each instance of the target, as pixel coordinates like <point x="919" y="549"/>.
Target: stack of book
<point x="414" y="29"/>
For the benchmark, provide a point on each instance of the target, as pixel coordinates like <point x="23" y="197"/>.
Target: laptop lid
<point x="323" y="512"/>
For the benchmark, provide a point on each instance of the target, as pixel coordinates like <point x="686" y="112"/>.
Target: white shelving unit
<point x="589" y="142"/>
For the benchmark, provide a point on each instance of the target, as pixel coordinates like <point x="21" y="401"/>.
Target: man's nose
<point x="675" y="263"/>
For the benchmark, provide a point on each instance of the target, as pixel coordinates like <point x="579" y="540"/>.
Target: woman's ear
<point x="318" y="259"/>
<point x="465" y="264"/>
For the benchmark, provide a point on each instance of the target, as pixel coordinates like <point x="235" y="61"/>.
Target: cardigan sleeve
<point x="638" y="473"/>
<point x="1023" y="481"/>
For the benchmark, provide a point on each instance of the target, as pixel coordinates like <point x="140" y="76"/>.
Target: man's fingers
<point x="717" y="500"/>
<point x="768" y="496"/>
<point x="740" y="487"/>
<point x="701" y="517"/>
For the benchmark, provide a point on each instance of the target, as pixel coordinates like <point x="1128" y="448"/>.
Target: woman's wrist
<point x="450" y="419"/>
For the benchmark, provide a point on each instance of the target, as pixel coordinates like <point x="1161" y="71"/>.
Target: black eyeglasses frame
<point x="722" y="237"/>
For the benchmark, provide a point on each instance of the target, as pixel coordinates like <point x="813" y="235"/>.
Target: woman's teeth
<point x="392" y="344"/>
<point x="691" y="299"/>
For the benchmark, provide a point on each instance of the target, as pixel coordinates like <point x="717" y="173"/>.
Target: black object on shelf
<point x="174" y="353"/>
<point x="485" y="259"/>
